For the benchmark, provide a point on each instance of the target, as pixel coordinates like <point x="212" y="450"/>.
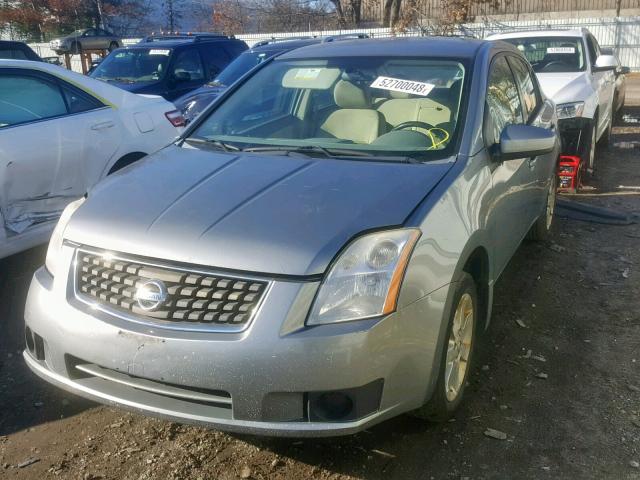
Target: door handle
<point x="102" y="125"/>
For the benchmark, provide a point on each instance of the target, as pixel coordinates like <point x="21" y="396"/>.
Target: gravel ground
<point x="558" y="374"/>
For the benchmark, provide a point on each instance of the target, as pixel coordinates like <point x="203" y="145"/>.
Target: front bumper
<point x="265" y="378"/>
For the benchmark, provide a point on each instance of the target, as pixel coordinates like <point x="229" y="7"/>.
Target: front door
<point x="511" y="210"/>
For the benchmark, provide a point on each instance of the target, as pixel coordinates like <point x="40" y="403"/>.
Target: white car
<point x="60" y="133"/>
<point x="580" y="79"/>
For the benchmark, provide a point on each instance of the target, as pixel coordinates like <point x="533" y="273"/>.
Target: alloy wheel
<point x="459" y="347"/>
<point x="551" y="204"/>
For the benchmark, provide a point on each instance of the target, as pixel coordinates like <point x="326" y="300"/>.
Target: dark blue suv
<point x="196" y="101"/>
<point x="169" y="65"/>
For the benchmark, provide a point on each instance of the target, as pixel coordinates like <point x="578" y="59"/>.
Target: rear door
<point x="511" y="212"/>
<point x="47" y="135"/>
<point x="90" y="39"/>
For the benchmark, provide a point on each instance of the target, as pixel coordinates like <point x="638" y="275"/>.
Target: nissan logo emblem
<point x="151" y="294"/>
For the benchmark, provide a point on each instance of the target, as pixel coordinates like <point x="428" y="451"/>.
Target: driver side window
<point x="502" y="106"/>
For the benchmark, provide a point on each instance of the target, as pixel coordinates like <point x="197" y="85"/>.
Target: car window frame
<point x="496" y="58"/>
<point x="531" y="116"/>
<point x="59" y="84"/>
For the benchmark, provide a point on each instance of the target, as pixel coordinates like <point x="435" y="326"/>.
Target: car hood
<point x="285" y="215"/>
<point x="563" y="87"/>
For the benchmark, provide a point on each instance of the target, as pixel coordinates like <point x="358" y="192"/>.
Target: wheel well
<point x="478" y="267"/>
<point x="128" y="159"/>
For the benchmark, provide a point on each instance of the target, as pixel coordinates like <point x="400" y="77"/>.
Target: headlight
<point x="365" y="279"/>
<point x="55" y="244"/>
<point x="570" y="110"/>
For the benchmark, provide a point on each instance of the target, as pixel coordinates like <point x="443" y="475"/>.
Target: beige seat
<point x="401" y="108"/>
<point x="355" y="120"/>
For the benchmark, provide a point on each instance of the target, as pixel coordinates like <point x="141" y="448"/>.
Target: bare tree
<point x="173" y="14"/>
<point x="454" y="13"/>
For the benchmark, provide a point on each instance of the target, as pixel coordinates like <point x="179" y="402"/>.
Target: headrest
<point x="347" y="95"/>
<point x="397" y="95"/>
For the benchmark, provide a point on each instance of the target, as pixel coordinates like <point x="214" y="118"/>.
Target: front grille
<point x="190" y="297"/>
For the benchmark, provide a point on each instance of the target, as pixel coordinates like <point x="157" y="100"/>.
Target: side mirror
<point x="605" y="63"/>
<point x="524" y="141"/>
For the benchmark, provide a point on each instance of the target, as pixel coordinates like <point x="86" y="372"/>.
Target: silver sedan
<point x="316" y="254"/>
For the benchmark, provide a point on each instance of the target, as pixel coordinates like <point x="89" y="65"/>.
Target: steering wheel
<point x="555" y="62"/>
<point x="412" y="124"/>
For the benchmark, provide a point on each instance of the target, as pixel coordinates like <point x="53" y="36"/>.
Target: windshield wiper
<point x="333" y="153"/>
<point x="227" y="147"/>
<point x="118" y="79"/>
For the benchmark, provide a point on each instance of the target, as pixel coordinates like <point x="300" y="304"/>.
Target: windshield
<point x="552" y="54"/>
<point x="133" y="65"/>
<point x="370" y="106"/>
<point x="241" y="65"/>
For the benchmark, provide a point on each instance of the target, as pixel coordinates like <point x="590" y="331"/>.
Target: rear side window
<point x="503" y="106"/>
<point x="215" y="59"/>
<point x="235" y="48"/>
<point x="26" y="99"/>
<point x="13" y="54"/>
<point x="79" y="102"/>
<point x="527" y="86"/>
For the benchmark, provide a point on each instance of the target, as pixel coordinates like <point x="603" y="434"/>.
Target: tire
<point x="540" y="230"/>
<point x="113" y="46"/>
<point x="75" y="48"/>
<point x="589" y="159"/>
<point x="605" y="140"/>
<point x="446" y="399"/>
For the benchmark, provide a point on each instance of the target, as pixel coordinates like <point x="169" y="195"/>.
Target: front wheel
<point x="540" y="230"/>
<point x="457" y="354"/>
<point x="589" y="155"/>
<point x="113" y="46"/>
<point x="605" y="140"/>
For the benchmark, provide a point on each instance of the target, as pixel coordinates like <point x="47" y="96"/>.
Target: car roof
<point x="444" y="47"/>
<point x="12" y="43"/>
<point x="284" y="45"/>
<point x="177" y="42"/>
<point x="537" y="33"/>
<point x="107" y="93"/>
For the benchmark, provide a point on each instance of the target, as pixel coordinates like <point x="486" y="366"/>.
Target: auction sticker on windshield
<point x="405" y="86"/>
<point x="157" y="51"/>
<point x="561" y="50"/>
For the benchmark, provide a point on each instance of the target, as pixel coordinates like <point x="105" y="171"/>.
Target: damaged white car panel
<point x="60" y="133"/>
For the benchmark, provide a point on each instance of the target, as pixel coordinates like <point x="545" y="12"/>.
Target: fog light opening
<point x="39" y="346"/>
<point x="333" y="406"/>
<point x="28" y="337"/>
